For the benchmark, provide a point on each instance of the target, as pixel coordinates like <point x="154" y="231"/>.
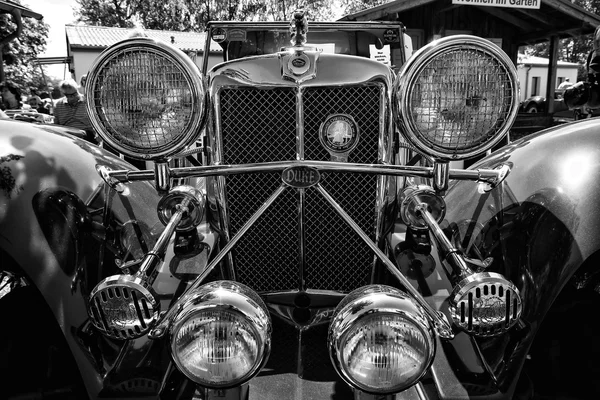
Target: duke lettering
<point x="300" y="176"/>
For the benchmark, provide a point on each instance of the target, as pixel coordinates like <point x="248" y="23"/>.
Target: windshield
<point x="380" y="41"/>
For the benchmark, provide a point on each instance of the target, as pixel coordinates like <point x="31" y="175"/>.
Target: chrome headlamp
<point x="379" y="340"/>
<point x="145" y="98"/>
<point x="457" y="97"/>
<point x="221" y="338"/>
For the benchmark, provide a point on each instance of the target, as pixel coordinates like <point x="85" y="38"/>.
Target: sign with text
<point x="382" y="55"/>
<point x="500" y="3"/>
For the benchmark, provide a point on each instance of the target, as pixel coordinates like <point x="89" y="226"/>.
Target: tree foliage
<point x="192" y="15"/>
<point x="19" y="54"/>
<point x="351" y="7"/>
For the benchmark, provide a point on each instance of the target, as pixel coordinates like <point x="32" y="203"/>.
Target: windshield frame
<point x="345" y="26"/>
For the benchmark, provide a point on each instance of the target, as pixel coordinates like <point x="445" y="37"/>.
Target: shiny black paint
<point x="51" y="225"/>
<point x="540" y="226"/>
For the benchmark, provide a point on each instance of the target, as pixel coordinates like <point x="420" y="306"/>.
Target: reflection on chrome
<point x="379" y="340"/>
<point x="222" y="335"/>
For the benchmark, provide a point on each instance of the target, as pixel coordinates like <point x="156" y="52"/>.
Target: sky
<point x="57" y="14"/>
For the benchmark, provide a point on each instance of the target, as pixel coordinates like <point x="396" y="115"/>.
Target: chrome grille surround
<point x="279" y="121"/>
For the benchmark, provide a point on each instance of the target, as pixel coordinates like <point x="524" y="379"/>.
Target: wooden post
<point x="552" y="65"/>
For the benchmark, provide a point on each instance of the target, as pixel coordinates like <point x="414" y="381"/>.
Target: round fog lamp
<point x="380" y="341"/>
<point x="221" y="337"/>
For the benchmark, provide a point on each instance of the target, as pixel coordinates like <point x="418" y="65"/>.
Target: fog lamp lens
<point x="380" y="341"/>
<point x="217" y="347"/>
<point x="223" y="337"/>
<point x="384" y="352"/>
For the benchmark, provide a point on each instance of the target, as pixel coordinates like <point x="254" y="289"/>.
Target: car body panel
<point x="70" y="226"/>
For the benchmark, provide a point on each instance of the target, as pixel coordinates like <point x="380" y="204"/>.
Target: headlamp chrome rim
<point x="234" y="299"/>
<point x="376" y="301"/>
<point x="182" y="63"/>
<point x="410" y="72"/>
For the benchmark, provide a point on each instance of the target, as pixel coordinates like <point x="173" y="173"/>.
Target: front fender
<point x="539" y="226"/>
<point x="48" y="187"/>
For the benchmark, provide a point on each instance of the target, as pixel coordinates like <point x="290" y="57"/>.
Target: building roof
<point x="533" y="60"/>
<point x="554" y="17"/>
<point x="100" y="37"/>
<point x="9" y="6"/>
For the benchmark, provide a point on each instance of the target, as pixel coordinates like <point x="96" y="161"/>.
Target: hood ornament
<point x="299" y="28"/>
<point x="299" y="63"/>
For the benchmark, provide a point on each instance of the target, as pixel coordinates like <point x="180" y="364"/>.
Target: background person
<point x="11" y="97"/>
<point x="47" y="100"/>
<point x="70" y="110"/>
<point x="36" y="103"/>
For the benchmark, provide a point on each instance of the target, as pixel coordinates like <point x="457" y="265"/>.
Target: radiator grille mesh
<point x="259" y="125"/>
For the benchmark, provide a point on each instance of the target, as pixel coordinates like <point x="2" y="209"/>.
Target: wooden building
<point x="498" y="20"/>
<point x="86" y="42"/>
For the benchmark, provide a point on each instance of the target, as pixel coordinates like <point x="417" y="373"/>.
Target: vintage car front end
<point x="300" y="253"/>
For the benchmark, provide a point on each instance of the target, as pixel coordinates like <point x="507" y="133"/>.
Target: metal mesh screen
<point x="336" y="256"/>
<point x="143" y="99"/>
<point x="461" y="99"/>
<point x="259" y="125"/>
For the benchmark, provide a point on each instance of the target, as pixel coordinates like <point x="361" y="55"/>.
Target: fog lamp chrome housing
<point x="456" y="97"/>
<point x="485" y="304"/>
<point x="221" y="337"/>
<point x="380" y="341"/>
<point x="145" y="98"/>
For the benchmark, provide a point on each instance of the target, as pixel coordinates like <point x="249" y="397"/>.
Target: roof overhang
<point x="10" y="7"/>
<point x="554" y="18"/>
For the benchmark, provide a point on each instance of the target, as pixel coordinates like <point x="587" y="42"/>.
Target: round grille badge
<point x="339" y="133"/>
<point x="299" y="64"/>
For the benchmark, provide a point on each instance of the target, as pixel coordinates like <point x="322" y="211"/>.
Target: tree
<point x="351" y="7"/>
<point x="20" y="66"/>
<point x="193" y="15"/>
<point x="113" y="13"/>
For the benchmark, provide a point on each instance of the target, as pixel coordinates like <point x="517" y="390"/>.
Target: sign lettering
<point x="500" y="3"/>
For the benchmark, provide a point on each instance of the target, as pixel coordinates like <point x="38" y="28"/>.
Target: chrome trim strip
<point x="442" y="327"/>
<point x="480" y="175"/>
<point x="163" y="323"/>
<point x="301" y="239"/>
<point x="299" y="125"/>
<point x="219" y="182"/>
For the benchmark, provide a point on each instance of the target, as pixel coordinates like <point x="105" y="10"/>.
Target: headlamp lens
<point x="380" y="341"/>
<point x="221" y="337"/>
<point x="384" y="352"/>
<point x="457" y="97"/>
<point x="217" y="347"/>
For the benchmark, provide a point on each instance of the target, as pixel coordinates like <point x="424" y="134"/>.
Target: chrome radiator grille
<point x="259" y="125"/>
